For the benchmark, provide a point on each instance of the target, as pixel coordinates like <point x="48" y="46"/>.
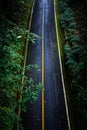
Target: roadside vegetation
<point x="73" y="19"/>
<point x="14" y="18"/>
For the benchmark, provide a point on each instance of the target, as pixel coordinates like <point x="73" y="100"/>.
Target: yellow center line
<point x="43" y="69"/>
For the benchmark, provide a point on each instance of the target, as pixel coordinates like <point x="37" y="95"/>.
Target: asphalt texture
<point x="55" y="113"/>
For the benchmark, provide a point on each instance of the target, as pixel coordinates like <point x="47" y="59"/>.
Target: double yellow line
<point x="43" y="69"/>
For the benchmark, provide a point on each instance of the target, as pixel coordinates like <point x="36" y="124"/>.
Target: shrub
<point x="11" y="74"/>
<point x="75" y="58"/>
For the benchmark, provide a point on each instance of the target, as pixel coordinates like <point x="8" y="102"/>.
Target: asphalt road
<point x="55" y="114"/>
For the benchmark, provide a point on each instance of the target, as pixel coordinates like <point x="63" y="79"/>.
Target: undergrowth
<point x="75" y="60"/>
<point x="13" y="35"/>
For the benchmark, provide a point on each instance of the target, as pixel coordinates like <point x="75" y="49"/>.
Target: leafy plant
<point x="11" y="74"/>
<point x="75" y="59"/>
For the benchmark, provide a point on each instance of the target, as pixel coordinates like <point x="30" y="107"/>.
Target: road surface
<point x="48" y="112"/>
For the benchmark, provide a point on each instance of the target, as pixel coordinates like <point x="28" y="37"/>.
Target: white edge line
<point x="25" y="57"/>
<point x="26" y="47"/>
<point x="64" y="91"/>
<point x="31" y="15"/>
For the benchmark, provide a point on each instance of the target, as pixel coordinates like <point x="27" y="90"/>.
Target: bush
<point x="67" y="23"/>
<point x="12" y="39"/>
<point x="11" y="76"/>
<point x="76" y="60"/>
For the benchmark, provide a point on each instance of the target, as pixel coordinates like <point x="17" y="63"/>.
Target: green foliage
<point x="33" y="37"/>
<point x="66" y="17"/>
<point x="7" y="118"/>
<point x="31" y="90"/>
<point x="66" y="14"/>
<point x="15" y="10"/>
<point x="12" y="44"/>
<point x="11" y="75"/>
<point x="67" y="23"/>
<point x="75" y="58"/>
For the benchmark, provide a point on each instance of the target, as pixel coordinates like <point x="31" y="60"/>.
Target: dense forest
<point x="73" y="21"/>
<point x="14" y="18"/>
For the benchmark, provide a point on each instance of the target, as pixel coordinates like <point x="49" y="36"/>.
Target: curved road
<point x="54" y="105"/>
